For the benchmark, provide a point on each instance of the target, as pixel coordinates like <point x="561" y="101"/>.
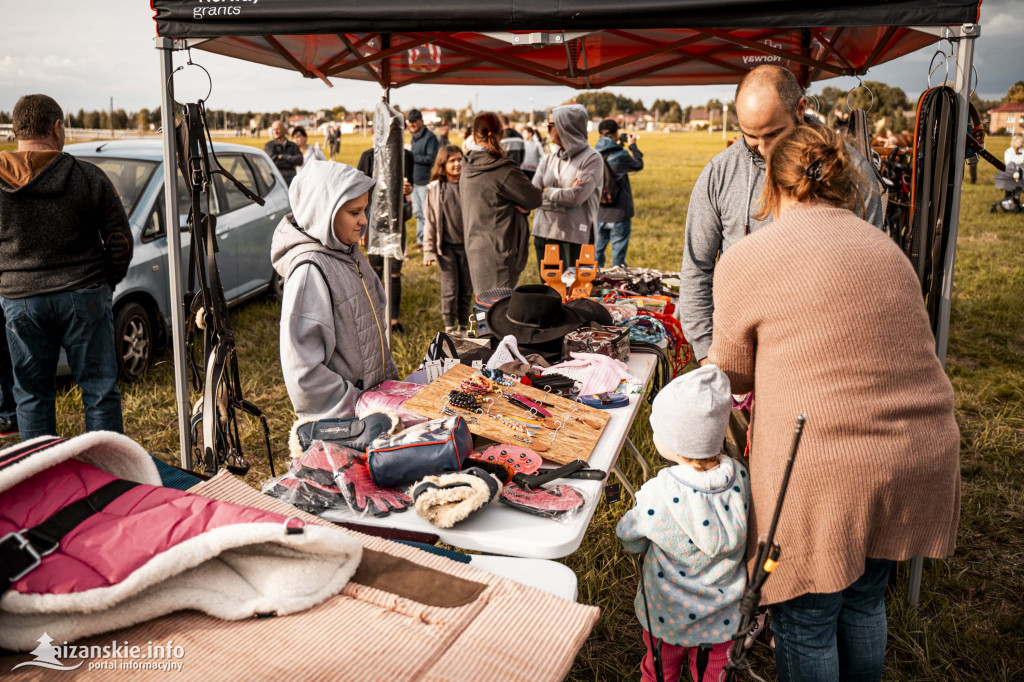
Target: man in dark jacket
<point x="424" y="151"/>
<point x="65" y="243"/>
<point x="615" y="219"/>
<point x="512" y="142"/>
<point x="285" y="154"/>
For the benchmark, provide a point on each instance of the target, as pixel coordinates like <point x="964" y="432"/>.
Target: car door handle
<point x="271" y="214"/>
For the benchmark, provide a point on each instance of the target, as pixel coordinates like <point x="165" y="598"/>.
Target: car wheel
<point x="277" y="287"/>
<point x="133" y="336"/>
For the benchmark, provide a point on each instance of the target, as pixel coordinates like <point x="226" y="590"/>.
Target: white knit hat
<point x="690" y="415"/>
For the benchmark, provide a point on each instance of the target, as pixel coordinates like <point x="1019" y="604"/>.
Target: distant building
<point x="700" y="117"/>
<point x="300" y="120"/>
<point x="1009" y="116"/>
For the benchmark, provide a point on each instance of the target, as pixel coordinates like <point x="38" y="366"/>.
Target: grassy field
<point x="970" y="623"/>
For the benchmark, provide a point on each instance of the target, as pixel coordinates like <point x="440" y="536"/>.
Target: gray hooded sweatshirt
<point x="721" y="209"/>
<point x="569" y="213"/>
<point x="332" y="316"/>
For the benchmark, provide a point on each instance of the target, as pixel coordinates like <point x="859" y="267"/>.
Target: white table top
<point x="500" y="529"/>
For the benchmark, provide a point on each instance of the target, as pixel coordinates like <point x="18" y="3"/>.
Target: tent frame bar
<point x="963" y="36"/>
<point x="165" y="48"/>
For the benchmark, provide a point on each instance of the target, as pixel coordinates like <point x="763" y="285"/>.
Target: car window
<point x="129" y="177"/>
<point x="154" y="227"/>
<point x="233" y="197"/>
<point x="266" y="175"/>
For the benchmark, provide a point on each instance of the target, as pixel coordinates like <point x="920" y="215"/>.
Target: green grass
<point x="970" y="623"/>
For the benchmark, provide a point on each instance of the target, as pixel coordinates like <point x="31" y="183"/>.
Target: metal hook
<point x="189" y="62"/>
<point x="933" y="66"/>
<point x="860" y="84"/>
<point x="817" y="104"/>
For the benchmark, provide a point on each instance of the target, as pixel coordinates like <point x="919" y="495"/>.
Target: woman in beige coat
<point x="821" y="313"/>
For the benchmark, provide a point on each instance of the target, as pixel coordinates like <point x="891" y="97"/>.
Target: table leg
<point x="625" y="482"/>
<point x="639" y="458"/>
<point x="914" y="583"/>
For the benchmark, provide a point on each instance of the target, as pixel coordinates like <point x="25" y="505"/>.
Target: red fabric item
<point x="673" y="658"/>
<point x="108" y="546"/>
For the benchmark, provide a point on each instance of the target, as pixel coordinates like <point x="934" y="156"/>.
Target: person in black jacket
<point x="285" y="154"/>
<point x="496" y="199"/>
<point x="424" y="150"/>
<point x="615" y="219"/>
<point x="65" y="243"/>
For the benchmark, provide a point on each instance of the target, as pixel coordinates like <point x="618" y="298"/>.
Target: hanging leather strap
<point x="22" y="552"/>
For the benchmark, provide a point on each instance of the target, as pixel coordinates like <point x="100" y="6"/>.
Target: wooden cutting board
<point x="574" y="440"/>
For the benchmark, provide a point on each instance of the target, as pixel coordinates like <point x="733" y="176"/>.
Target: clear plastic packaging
<point x="384" y="237"/>
<point x="559" y="502"/>
<point x="329" y="478"/>
<point x="391" y="395"/>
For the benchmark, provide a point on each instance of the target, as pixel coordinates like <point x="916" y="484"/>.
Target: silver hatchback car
<point x="142" y="305"/>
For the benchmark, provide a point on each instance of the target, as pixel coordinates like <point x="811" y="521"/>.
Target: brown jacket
<point x="821" y="313"/>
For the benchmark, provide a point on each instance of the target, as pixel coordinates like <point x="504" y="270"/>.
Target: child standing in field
<point x="692" y="522"/>
<point x="444" y="240"/>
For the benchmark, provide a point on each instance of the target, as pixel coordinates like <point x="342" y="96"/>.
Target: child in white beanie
<point x="692" y="521"/>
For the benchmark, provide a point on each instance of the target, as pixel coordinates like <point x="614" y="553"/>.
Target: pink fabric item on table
<point x="598" y="373"/>
<point x="391" y="395"/>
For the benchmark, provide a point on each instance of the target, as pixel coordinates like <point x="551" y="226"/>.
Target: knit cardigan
<point x="821" y="313"/>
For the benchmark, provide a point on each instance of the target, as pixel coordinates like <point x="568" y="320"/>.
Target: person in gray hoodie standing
<point x="496" y="197"/>
<point x="570" y="180"/>
<point x="769" y="102"/>
<point x="333" y="345"/>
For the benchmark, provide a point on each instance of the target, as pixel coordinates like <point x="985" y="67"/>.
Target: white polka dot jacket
<point x="693" y="526"/>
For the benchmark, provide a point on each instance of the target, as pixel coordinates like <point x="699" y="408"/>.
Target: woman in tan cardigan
<point x="821" y="313"/>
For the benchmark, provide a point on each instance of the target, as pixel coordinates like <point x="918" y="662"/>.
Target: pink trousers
<point x="673" y="658"/>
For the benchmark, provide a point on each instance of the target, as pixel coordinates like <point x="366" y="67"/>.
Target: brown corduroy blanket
<point x="501" y="630"/>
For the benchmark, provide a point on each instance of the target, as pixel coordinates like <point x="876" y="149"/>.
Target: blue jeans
<point x="837" y="636"/>
<point x="419" y="200"/>
<point x="618" y="233"/>
<point x="82" y="323"/>
<point x="8" y="405"/>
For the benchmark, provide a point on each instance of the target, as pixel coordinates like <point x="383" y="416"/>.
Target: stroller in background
<point x="1010" y="181"/>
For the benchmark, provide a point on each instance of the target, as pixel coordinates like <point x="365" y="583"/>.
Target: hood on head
<point x="571" y="123"/>
<point x="319" y="191"/>
<point x="316" y="194"/>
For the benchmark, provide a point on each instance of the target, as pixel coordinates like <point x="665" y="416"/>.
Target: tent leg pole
<point x="914" y="582"/>
<point x="964" y="66"/>
<point x="165" y="49"/>
<point x="387" y="299"/>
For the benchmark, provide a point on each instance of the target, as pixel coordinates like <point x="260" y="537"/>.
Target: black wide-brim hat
<point x="533" y="314"/>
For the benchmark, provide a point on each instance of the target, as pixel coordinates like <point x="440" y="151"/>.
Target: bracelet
<point x="465" y="400"/>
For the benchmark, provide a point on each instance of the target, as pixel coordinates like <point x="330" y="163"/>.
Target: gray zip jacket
<point x="721" y="209"/>
<point x="569" y="213"/>
<point x="332" y="317"/>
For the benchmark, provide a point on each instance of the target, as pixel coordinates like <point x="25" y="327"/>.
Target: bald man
<point x="769" y="102"/>
<point x="285" y="154"/>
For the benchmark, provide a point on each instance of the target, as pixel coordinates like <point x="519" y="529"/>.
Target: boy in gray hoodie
<point x="333" y="345"/>
<point x="571" y="182"/>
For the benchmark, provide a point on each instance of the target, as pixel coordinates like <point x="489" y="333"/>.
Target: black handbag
<point x="434" y="447"/>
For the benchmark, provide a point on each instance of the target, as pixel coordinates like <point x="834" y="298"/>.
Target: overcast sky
<point x="83" y="53"/>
